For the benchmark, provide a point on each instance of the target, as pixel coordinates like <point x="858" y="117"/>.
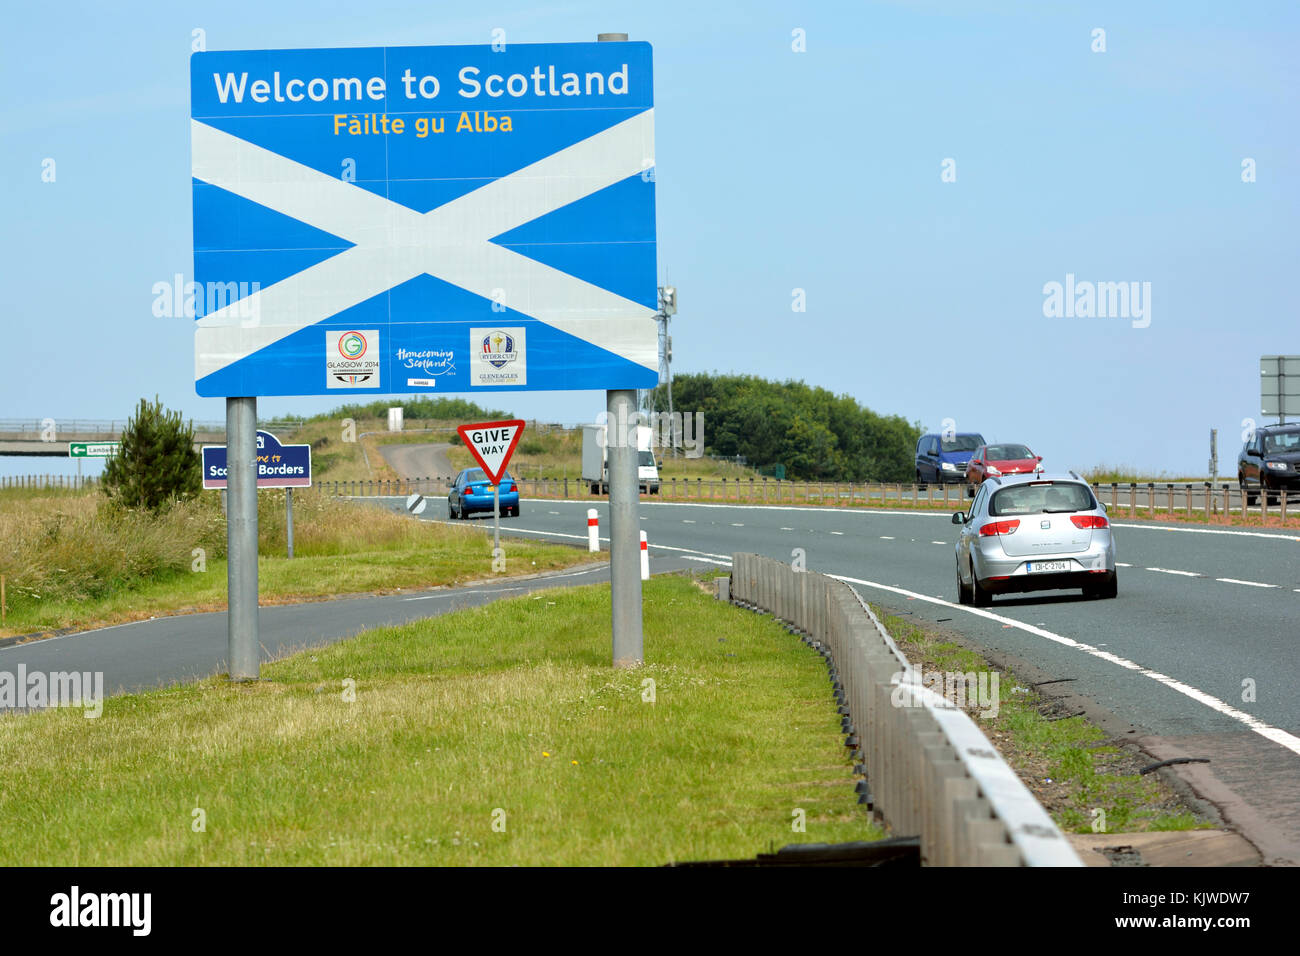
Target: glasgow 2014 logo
<point x="352" y="345"/>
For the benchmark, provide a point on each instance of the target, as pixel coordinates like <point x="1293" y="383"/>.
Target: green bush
<point x="156" y="463"/>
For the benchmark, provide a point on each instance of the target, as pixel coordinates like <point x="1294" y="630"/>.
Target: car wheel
<point x="963" y="591"/>
<point x="979" y="597"/>
<point x="1108" y="589"/>
<point x="451" y="512"/>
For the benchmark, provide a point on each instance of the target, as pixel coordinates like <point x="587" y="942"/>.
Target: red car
<point x="1001" y="460"/>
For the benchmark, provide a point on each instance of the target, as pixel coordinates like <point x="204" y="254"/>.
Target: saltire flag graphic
<point x="366" y="219"/>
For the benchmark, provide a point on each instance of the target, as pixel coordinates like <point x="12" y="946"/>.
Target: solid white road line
<point x="1269" y="732"/>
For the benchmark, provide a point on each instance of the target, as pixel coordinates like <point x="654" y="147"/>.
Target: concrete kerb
<point x="931" y="770"/>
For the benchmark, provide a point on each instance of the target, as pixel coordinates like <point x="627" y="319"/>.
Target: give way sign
<point x="492" y="444"/>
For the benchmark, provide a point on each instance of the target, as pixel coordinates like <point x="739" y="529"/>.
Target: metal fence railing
<point x="1121" y="500"/>
<point x="36" y="428"/>
<point x="70" y="482"/>
<point x="931" y="771"/>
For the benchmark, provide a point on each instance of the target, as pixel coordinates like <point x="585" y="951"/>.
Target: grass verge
<point x="1068" y="763"/>
<point x="72" y="562"/>
<point x="506" y="714"/>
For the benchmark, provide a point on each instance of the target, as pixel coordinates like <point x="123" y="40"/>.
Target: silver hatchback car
<point x="1034" y="533"/>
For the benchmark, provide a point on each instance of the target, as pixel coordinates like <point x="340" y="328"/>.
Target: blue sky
<point x="776" y="171"/>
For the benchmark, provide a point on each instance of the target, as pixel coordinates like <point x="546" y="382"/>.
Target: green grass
<point x="70" y="561"/>
<point x="512" y="707"/>
<point x="1066" y="763"/>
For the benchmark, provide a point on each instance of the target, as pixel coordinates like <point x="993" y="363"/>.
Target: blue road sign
<point x="406" y="219"/>
<point x="278" y="466"/>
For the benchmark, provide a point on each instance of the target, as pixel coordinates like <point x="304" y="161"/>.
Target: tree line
<point x="815" y="434"/>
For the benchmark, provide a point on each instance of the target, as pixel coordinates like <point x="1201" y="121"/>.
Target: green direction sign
<point x="93" y="449"/>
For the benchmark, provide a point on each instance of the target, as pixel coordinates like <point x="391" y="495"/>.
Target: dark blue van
<point x="941" y="459"/>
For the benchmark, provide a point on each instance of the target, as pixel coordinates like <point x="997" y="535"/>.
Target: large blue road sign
<point x="401" y="219"/>
<point x="278" y="466"/>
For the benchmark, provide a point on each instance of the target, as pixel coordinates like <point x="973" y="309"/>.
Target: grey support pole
<point x="288" y="517"/>
<point x="241" y="536"/>
<point x="624" y="529"/>
<point x="496" y="518"/>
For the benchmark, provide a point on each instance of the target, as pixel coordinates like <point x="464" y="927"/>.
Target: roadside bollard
<point x="645" y="558"/>
<point x="593" y="531"/>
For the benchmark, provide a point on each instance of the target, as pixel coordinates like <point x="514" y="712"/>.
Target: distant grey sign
<point x="1279" y="385"/>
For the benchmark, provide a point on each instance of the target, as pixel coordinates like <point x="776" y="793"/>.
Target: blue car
<point x="471" y="491"/>
<point x="943" y="459"/>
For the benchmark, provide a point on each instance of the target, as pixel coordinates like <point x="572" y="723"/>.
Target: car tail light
<point x="1000" y="527"/>
<point x="1089" y="521"/>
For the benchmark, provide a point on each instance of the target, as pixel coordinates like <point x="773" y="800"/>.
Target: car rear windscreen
<point x="1041" y="496"/>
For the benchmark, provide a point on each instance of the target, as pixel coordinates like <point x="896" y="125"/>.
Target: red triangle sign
<point x="492" y="444"/>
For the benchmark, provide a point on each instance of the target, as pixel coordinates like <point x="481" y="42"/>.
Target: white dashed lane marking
<point x="1186" y="574"/>
<point x="1251" y="584"/>
<point x="837" y="532"/>
<point x="886" y="537"/>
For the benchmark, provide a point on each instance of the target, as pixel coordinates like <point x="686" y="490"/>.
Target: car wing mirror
<point x="958" y="518"/>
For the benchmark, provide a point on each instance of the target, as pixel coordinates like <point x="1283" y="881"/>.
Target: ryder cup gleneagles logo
<point x="352" y="358"/>
<point x="498" y="357"/>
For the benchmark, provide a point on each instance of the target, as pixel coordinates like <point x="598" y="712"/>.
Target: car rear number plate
<point x="1046" y="567"/>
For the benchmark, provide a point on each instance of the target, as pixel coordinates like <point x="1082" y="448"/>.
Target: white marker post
<point x="645" y="558"/>
<point x="593" y="530"/>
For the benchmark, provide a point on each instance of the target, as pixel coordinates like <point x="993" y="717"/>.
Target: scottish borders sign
<point x="405" y="219"/>
<point x="278" y="466"/>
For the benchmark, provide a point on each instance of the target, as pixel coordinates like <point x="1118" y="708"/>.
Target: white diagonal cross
<point x="393" y="243"/>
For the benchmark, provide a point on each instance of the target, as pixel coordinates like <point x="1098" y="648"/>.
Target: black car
<point x="1270" y="461"/>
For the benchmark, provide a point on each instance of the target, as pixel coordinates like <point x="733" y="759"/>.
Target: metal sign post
<point x="496" y="518"/>
<point x="288" y="517"/>
<point x="241" y="537"/>
<point x="624" y="496"/>
<point x="624" y="539"/>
